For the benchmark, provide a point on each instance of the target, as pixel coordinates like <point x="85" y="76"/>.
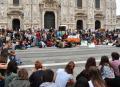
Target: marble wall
<point x="31" y="13"/>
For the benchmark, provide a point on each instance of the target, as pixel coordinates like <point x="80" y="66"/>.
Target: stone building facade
<point x="74" y="14"/>
<point x="118" y="22"/>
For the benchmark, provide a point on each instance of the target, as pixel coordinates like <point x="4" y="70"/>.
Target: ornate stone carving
<point x="2" y="9"/>
<point x="49" y="4"/>
<point x="49" y="1"/>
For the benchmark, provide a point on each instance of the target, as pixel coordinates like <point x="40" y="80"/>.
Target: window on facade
<point x="15" y="2"/>
<point x="79" y="3"/>
<point x="97" y="4"/>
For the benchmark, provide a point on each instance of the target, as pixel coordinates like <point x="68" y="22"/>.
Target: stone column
<point x="8" y="22"/>
<point x="56" y="20"/>
<point x="91" y="20"/>
<point x="11" y="19"/>
<point x="43" y="13"/>
<point x="21" y="23"/>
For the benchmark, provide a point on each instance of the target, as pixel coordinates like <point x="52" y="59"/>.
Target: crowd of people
<point x="106" y="74"/>
<point x="54" y="38"/>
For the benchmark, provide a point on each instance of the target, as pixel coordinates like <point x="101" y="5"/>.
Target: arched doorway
<point x="79" y="25"/>
<point x="97" y="24"/>
<point x="49" y="20"/>
<point x="16" y="24"/>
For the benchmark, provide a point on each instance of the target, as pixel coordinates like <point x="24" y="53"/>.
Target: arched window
<point x="97" y="4"/>
<point x="15" y="2"/>
<point x="79" y="3"/>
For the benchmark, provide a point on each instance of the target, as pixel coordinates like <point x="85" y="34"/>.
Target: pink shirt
<point x="115" y="65"/>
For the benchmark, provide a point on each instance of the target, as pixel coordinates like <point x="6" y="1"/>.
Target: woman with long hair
<point x="70" y="67"/>
<point x="90" y="62"/>
<point x="95" y="78"/>
<point x="105" y="68"/>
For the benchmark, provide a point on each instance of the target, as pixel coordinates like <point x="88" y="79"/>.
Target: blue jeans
<point x="2" y="83"/>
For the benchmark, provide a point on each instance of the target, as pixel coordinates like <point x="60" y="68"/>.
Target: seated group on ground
<point x="106" y="74"/>
<point x="55" y="38"/>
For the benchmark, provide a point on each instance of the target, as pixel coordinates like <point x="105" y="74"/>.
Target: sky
<point x="118" y="7"/>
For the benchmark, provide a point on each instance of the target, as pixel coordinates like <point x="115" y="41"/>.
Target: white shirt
<point x="48" y="84"/>
<point x="62" y="78"/>
<point x="90" y="83"/>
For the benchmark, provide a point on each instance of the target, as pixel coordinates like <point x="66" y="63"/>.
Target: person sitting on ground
<point x="21" y="80"/>
<point x="13" y="57"/>
<point x="38" y="66"/>
<point x="1" y="44"/>
<point x="2" y="81"/>
<point x="105" y="68"/>
<point x="3" y="65"/>
<point x="21" y="44"/>
<point x="115" y="62"/>
<point x="115" y="82"/>
<point x="90" y="62"/>
<point x="5" y="50"/>
<point x="42" y="44"/>
<point x="95" y="78"/>
<point x="117" y="43"/>
<point x="82" y="82"/>
<point x="49" y="77"/>
<point x="64" y="77"/>
<point x="36" y="78"/>
<point x="11" y="72"/>
<point x="49" y="43"/>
